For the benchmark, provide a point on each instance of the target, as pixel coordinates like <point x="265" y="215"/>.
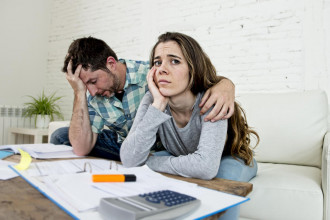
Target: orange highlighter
<point x="113" y="178"/>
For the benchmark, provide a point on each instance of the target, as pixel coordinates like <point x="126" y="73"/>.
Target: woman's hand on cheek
<point x="160" y="101"/>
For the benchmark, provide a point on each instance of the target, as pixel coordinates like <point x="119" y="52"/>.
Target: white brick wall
<point x="261" y="45"/>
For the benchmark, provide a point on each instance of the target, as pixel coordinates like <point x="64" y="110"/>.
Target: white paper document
<point x="5" y="172"/>
<point x="42" y="151"/>
<point x="49" y="168"/>
<point x="69" y="184"/>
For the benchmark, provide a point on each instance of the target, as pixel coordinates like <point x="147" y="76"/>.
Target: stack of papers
<point x="42" y="151"/>
<point x="69" y="184"/>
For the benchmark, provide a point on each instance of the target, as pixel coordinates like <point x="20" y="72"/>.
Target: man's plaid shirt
<point x="118" y="116"/>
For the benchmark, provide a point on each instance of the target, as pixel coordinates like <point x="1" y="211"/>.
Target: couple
<point x="180" y="80"/>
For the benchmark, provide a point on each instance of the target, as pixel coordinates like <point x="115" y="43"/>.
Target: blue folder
<point x="4" y="154"/>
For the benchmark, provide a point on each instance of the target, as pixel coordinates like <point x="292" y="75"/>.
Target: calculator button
<point x="169" y="198"/>
<point x="152" y="199"/>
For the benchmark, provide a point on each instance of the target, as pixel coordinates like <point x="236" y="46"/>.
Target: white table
<point x="37" y="133"/>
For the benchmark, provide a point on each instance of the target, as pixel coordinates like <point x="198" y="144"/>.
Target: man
<point x="114" y="90"/>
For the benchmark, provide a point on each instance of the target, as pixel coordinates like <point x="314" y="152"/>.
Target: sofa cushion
<point x="291" y="126"/>
<point x="283" y="191"/>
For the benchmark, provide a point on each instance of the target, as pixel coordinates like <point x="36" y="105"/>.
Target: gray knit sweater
<point x="196" y="148"/>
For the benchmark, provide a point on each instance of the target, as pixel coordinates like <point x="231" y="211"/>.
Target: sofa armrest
<point x="54" y="125"/>
<point x="326" y="175"/>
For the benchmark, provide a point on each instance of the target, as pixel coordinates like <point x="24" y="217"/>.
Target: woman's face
<point x="172" y="71"/>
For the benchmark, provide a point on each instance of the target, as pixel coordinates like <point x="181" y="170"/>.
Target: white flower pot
<point x="42" y="121"/>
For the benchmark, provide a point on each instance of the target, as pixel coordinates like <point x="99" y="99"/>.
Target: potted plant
<point x="43" y="108"/>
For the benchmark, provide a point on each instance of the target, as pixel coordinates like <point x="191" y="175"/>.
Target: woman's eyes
<point x="174" y="61"/>
<point x="158" y="63"/>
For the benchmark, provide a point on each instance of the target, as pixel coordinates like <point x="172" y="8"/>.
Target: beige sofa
<point x="293" y="156"/>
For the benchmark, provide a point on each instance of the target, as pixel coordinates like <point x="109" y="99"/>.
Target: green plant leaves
<point x="43" y="105"/>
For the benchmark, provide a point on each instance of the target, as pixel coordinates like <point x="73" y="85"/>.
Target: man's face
<point x="100" y="82"/>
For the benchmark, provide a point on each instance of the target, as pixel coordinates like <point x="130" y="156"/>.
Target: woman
<point x="180" y="74"/>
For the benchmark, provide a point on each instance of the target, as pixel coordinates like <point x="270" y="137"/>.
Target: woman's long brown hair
<point x="202" y="77"/>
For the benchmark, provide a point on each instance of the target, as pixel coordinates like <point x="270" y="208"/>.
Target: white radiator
<point x="11" y="116"/>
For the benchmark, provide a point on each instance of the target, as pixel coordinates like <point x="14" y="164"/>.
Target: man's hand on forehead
<point x="74" y="78"/>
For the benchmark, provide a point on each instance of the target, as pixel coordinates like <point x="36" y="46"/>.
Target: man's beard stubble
<point x="116" y="83"/>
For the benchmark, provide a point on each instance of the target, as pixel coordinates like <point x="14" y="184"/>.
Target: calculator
<point x="165" y="204"/>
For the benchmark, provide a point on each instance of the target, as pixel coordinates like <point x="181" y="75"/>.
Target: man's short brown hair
<point x="90" y="52"/>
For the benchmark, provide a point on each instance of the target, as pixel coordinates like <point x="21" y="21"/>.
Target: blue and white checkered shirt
<point x="118" y="116"/>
